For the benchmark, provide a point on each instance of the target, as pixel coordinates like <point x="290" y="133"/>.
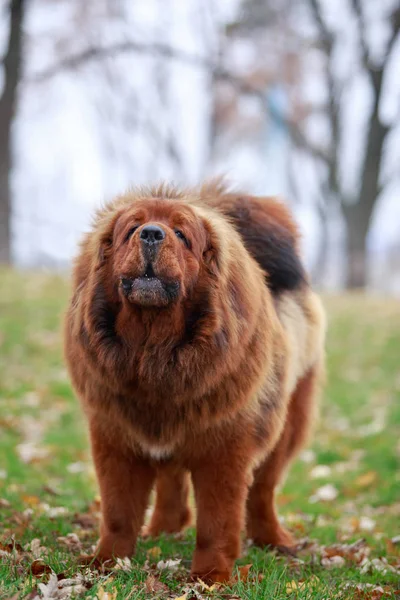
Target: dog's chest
<point x="157" y="451"/>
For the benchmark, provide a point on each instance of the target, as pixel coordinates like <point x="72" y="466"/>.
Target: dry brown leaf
<point x="303" y="584"/>
<point x="71" y="541"/>
<point x="333" y="562"/>
<point x="292" y="586"/>
<point x="356" y="552"/>
<point x="204" y="587"/>
<point x="392" y="548"/>
<point x="12" y="546"/>
<point x="154" y="586"/>
<point x="31" y="500"/>
<point x="154" y="553"/>
<point x="85" y="520"/>
<point x="366" y="479"/>
<point x="370" y="591"/>
<point x="102" y="594"/>
<point x="39" y="568"/>
<point x="243" y="572"/>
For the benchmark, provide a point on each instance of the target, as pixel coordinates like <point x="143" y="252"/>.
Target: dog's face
<point x="158" y="249"/>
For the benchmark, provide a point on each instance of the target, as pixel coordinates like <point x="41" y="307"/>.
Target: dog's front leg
<point x="125" y="483"/>
<point x="220" y="486"/>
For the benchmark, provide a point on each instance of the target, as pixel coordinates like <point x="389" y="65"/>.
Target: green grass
<point x="357" y="437"/>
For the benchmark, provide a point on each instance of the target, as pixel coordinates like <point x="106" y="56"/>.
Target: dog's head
<point x="156" y="250"/>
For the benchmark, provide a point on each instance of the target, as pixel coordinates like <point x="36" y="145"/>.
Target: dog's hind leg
<point x="171" y="511"/>
<point x="263" y="525"/>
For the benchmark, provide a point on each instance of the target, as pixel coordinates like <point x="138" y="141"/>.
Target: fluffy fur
<point x="199" y="354"/>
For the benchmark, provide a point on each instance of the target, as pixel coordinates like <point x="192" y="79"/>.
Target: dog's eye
<point x="182" y="237"/>
<point x="131" y="232"/>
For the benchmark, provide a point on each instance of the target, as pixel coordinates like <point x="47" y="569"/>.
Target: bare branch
<point x="98" y="53"/>
<point x="300" y="140"/>
<point x="163" y="50"/>
<point x="395" y="21"/>
<point x="325" y="34"/>
<point x="333" y="104"/>
<point x="357" y="8"/>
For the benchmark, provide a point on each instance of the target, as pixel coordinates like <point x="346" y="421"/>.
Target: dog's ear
<point x="211" y="262"/>
<point x="104" y="250"/>
<point x="212" y="253"/>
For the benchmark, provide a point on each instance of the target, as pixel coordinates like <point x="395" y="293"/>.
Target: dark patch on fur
<point x="273" y="248"/>
<point x="198" y="314"/>
<point x="103" y="317"/>
<point x="221" y="339"/>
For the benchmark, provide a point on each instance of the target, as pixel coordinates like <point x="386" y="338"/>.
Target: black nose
<point x="152" y="234"/>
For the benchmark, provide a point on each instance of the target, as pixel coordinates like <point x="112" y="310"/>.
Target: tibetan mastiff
<point x="195" y="345"/>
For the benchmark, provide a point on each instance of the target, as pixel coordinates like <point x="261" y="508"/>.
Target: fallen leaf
<point x="77" y="467"/>
<point x="171" y="565"/>
<point x="39" y="568"/>
<point x="243" y="572"/>
<point x="48" y="489"/>
<point x="366" y="479"/>
<point x="30" y="452"/>
<point x="123" y="564"/>
<point x="379" y="565"/>
<point x="31" y="500"/>
<point x="61" y="590"/>
<point x="320" y="472"/>
<point x="395" y="540"/>
<point x="366" y="524"/>
<point x="369" y="591"/>
<point x="326" y="493"/>
<point x="154" y="586"/>
<point x="103" y="595"/>
<point x="71" y="541"/>
<point x="333" y="562"/>
<point x="12" y="546"/>
<point x="154" y="553"/>
<point x="307" y="456"/>
<point x="204" y="587"/>
<point x="302" y="585"/>
<point x="85" y="520"/>
<point x="36" y="549"/>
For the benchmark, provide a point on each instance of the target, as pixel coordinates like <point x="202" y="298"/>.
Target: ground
<point x="341" y="498"/>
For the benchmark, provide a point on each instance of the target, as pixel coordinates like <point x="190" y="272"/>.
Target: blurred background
<point x="299" y="98"/>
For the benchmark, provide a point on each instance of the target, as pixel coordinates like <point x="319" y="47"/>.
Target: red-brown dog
<point x="196" y="347"/>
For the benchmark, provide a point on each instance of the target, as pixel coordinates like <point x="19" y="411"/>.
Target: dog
<point x="196" y="346"/>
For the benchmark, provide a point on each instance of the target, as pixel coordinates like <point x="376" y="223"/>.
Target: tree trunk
<point x="358" y="215"/>
<point x="8" y="101"/>
<point x="357" y="226"/>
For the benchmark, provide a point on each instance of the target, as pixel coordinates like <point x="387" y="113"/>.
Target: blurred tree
<point x="357" y="211"/>
<point x="357" y="208"/>
<point x="8" y="101"/>
<point x="309" y="30"/>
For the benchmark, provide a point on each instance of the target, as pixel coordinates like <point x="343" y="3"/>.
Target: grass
<point x="48" y="488"/>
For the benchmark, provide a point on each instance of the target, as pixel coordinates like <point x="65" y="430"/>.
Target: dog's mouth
<point x="148" y="289"/>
